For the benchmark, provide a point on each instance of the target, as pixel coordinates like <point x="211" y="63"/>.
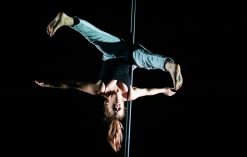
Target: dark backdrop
<point x="208" y="41"/>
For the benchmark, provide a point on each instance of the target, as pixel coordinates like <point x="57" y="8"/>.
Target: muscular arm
<point x="140" y="92"/>
<point x="87" y="87"/>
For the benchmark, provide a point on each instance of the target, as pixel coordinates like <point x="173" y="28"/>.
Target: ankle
<point x="67" y="20"/>
<point x="76" y="21"/>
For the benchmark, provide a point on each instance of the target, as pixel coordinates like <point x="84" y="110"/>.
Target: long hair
<point x="115" y="135"/>
<point x="115" y="132"/>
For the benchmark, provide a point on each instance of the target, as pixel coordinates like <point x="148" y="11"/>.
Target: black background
<point x="208" y="40"/>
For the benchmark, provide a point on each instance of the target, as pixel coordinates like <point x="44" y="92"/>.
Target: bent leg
<point x="143" y="58"/>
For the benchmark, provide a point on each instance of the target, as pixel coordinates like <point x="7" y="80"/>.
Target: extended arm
<point x="140" y="92"/>
<point x="87" y="87"/>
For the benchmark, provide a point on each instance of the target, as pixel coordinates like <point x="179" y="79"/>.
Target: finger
<point x="48" y="29"/>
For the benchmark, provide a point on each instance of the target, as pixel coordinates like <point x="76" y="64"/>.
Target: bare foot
<point x="60" y="20"/>
<point x="179" y="78"/>
<point x="175" y="71"/>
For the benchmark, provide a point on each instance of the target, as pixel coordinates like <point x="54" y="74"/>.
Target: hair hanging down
<point x="115" y="135"/>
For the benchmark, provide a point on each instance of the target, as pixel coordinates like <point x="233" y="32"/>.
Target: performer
<point x="114" y="80"/>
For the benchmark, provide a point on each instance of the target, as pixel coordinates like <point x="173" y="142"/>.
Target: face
<point x="114" y="106"/>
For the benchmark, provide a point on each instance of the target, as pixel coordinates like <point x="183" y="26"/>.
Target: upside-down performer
<point x="114" y="79"/>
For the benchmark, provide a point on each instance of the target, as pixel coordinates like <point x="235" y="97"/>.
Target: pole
<point x="129" y="102"/>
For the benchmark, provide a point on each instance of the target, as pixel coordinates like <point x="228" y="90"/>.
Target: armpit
<point x="100" y="86"/>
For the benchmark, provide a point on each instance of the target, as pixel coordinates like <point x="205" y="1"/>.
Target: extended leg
<point x="92" y="33"/>
<point x="108" y="44"/>
<point x="89" y="31"/>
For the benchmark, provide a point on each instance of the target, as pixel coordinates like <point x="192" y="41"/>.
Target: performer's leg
<point x="143" y="58"/>
<point x="92" y="33"/>
<point x="108" y="44"/>
<point x="89" y="31"/>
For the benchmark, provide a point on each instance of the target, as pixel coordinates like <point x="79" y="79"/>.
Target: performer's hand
<point x="42" y="83"/>
<point x="169" y="91"/>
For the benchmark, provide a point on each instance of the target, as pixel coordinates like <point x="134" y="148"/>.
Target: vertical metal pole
<point x="133" y="20"/>
<point x="129" y="103"/>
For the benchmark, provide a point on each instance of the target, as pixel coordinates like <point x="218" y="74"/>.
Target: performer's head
<point x="115" y="112"/>
<point x="114" y="106"/>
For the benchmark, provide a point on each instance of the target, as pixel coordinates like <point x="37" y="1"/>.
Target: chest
<point x="115" y="85"/>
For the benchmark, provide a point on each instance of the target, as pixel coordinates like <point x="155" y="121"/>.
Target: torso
<point x="113" y="86"/>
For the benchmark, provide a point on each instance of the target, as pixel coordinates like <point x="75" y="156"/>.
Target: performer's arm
<point x="140" y="92"/>
<point x="87" y="87"/>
